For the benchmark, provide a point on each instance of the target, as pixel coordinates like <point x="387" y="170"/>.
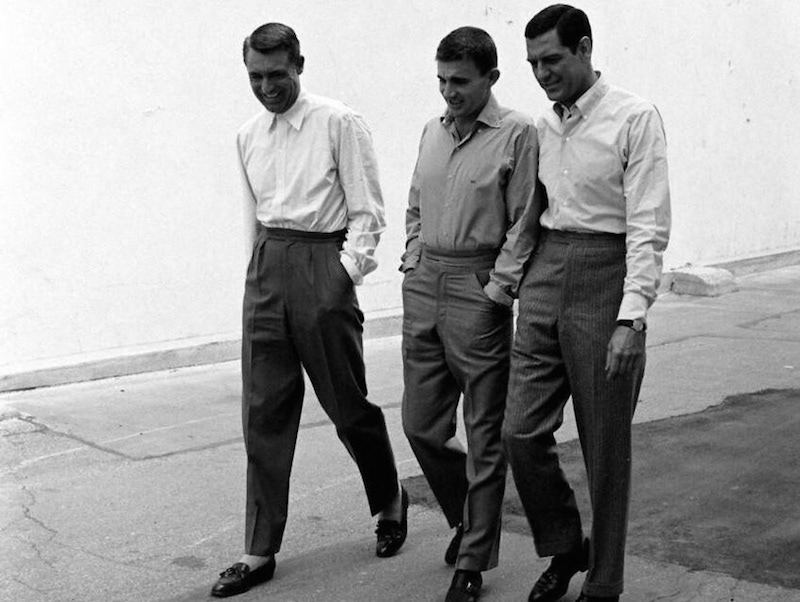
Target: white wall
<point x="119" y="206"/>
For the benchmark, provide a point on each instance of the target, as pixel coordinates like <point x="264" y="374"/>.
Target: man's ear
<point x="494" y="75"/>
<point x="299" y="63"/>
<point x="585" y="47"/>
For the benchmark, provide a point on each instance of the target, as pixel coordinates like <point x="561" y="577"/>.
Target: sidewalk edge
<point x="190" y="352"/>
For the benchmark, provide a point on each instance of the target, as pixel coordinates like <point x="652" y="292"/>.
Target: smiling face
<point x="274" y="78"/>
<point x="464" y="88"/>
<point x="563" y="75"/>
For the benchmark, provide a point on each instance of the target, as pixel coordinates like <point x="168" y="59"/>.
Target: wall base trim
<point x="168" y="355"/>
<point x="223" y="348"/>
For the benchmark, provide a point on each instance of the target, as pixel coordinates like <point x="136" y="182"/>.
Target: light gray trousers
<point x="456" y="340"/>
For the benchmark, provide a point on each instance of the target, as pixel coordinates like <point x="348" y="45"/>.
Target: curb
<point x="162" y="356"/>
<point x="712" y="280"/>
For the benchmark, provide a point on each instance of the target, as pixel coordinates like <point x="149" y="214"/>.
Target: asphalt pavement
<point x="132" y="488"/>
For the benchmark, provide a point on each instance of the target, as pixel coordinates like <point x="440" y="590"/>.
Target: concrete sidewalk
<point x="133" y="488"/>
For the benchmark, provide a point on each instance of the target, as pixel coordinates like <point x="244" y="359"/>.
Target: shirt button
<point x="567" y="138"/>
<point x="566" y="171"/>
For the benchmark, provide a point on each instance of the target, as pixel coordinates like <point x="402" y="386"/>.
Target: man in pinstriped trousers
<point x="583" y="304"/>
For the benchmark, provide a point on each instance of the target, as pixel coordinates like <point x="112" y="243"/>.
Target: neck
<point x="590" y="80"/>
<point x="464" y="126"/>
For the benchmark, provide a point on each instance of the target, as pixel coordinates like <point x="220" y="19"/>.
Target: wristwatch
<point x="635" y="325"/>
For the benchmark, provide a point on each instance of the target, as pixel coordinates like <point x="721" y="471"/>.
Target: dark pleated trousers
<point x="456" y="340"/>
<point x="301" y="311"/>
<point x="568" y="304"/>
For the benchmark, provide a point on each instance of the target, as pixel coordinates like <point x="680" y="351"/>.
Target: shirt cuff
<point x="351" y="268"/>
<point x="409" y="263"/>
<point x="633" y="307"/>
<point x="497" y="294"/>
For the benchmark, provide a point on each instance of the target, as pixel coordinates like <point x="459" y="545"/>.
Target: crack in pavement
<point x="26" y="511"/>
<point x="52" y="535"/>
<point x="36" y="550"/>
<point x="754" y="323"/>
<point x="113" y="561"/>
<point x="32" y="588"/>
<point x="86" y="442"/>
<point x="28" y="516"/>
<point x="724" y="337"/>
<point x="666" y="596"/>
<point x="43" y="428"/>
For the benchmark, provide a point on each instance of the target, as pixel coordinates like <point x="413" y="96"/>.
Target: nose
<point x="447" y="90"/>
<point x="541" y="73"/>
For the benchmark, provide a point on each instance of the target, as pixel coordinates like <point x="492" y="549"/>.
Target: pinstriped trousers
<point x="300" y="311"/>
<point x="568" y="303"/>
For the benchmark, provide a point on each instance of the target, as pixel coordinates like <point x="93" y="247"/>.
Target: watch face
<point x="635" y="325"/>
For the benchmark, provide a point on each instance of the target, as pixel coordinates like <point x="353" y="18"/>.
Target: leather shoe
<point x="451" y="554"/>
<point x="238" y="578"/>
<point x="465" y="587"/>
<point x="584" y="598"/>
<point x="554" y="582"/>
<point x="392" y="533"/>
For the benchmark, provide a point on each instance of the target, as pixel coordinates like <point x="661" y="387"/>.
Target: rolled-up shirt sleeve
<point x="360" y="181"/>
<point x="648" y="215"/>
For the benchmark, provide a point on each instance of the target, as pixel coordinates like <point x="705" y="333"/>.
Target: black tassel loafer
<point x="238" y="578"/>
<point x="391" y="533"/>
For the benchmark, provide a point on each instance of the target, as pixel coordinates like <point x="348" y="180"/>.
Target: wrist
<point x="635" y="325"/>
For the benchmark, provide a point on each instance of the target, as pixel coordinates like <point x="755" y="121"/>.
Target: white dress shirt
<point x="313" y="169"/>
<point x="603" y="162"/>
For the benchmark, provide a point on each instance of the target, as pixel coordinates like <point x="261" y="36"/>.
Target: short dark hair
<point x="271" y="37"/>
<point x="469" y="43"/>
<point x="571" y="25"/>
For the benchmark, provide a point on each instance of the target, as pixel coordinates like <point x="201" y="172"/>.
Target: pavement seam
<point x="188" y="450"/>
<point x="31" y="587"/>
<point x="40" y="427"/>
<point x="43" y="428"/>
<point x="762" y="336"/>
<point x="751" y="324"/>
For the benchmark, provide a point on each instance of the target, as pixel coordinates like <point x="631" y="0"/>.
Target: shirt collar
<point x="489" y="115"/>
<point x="296" y="114"/>
<point x="587" y="101"/>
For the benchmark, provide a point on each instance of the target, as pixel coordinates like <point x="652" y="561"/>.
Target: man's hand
<point x="625" y="352"/>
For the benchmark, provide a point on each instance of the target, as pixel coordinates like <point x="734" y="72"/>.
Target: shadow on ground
<point x="717" y="490"/>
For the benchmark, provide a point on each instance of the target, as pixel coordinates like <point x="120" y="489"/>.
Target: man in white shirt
<point x="313" y="216"/>
<point x="583" y="304"/>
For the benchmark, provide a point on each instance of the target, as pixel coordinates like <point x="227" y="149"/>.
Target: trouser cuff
<point x="552" y="548"/>
<point x="602" y="590"/>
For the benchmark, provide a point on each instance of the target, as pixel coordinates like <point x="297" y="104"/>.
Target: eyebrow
<point x="552" y="55"/>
